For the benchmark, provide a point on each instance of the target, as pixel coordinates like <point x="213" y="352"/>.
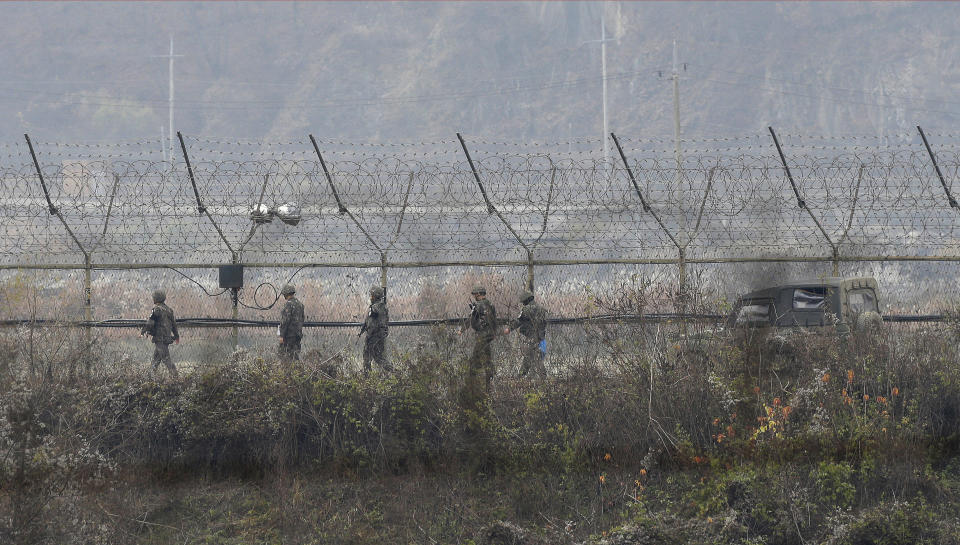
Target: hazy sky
<point x="390" y="71"/>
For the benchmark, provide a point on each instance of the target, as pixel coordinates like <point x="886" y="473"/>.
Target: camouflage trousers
<point x="481" y="361"/>
<point x="161" y="354"/>
<point x="289" y="349"/>
<point x="476" y="384"/>
<point x="373" y="349"/>
<point x="532" y="358"/>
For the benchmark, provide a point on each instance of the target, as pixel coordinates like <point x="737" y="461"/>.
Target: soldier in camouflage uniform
<point x="532" y="324"/>
<point x="290" y="329"/>
<point x="483" y="320"/>
<point x="162" y="326"/>
<point x="375" y="326"/>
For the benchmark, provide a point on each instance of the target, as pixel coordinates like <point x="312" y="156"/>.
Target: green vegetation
<point x="834" y="441"/>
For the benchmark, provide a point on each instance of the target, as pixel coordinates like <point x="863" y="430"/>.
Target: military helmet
<point x="526" y="296"/>
<point x="376" y="292"/>
<point x="287" y="290"/>
<point x="159" y="296"/>
<point x="478" y="290"/>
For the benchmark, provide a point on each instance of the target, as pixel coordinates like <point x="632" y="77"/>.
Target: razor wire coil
<point x="727" y="198"/>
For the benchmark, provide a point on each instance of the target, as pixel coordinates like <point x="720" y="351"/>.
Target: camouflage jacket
<point x="378" y="318"/>
<point x="291" y="319"/>
<point x="532" y="322"/>
<point x="162" y="325"/>
<point x="483" y="319"/>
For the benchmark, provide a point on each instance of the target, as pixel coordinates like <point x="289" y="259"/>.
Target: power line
<point x="831" y="99"/>
<point x="279" y="104"/>
<point x="837" y="88"/>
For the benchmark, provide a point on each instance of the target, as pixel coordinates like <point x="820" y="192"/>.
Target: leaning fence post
<point x="543" y="226"/>
<point x="936" y="167"/>
<point x="476" y="175"/>
<point x="86" y="255"/>
<point x="491" y="209"/>
<point x="803" y="204"/>
<point x="646" y="208"/>
<point x="396" y="236"/>
<point x="234" y="258"/>
<point x="186" y="159"/>
<point x="340" y="207"/>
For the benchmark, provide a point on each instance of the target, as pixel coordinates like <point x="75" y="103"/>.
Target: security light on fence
<point x="288" y="213"/>
<point x="261" y="214"/>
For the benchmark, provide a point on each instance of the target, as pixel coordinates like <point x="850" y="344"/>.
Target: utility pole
<point x="603" y="68"/>
<point x="163" y="144"/>
<point x="603" y="73"/>
<point x="170" y="57"/>
<point x="682" y="285"/>
<point x="676" y="106"/>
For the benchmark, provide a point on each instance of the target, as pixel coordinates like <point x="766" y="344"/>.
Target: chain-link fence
<point x="90" y="229"/>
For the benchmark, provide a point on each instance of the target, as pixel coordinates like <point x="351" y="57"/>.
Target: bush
<point x="731" y="441"/>
<point x="894" y="523"/>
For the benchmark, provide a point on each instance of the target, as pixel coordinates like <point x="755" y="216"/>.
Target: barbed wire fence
<point x="426" y="220"/>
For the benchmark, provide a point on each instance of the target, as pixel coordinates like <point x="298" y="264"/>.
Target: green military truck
<point x="849" y="304"/>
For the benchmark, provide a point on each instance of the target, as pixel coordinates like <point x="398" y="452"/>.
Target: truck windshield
<point x="862" y="300"/>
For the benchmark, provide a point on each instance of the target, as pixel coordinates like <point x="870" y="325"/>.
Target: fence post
<point x="235" y="301"/>
<point x="491" y="209"/>
<point x="383" y="274"/>
<point x="396" y="236"/>
<point x="86" y="255"/>
<point x="936" y="167"/>
<point x="682" y="292"/>
<point x="87" y="305"/>
<point x="543" y="226"/>
<point x="234" y="258"/>
<point x="846" y="230"/>
<point x="326" y="173"/>
<point x="476" y="176"/>
<point x="646" y="208"/>
<point x="340" y="206"/>
<point x="803" y="204"/>
<point x="530" y="270"/>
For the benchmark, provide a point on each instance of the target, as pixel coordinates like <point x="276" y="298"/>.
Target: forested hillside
<point x="412" y="71"/>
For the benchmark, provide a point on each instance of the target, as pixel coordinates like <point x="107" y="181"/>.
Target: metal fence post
<point x="234" y="258"/>
<point x="383" y="274"/>
<point x="682" y="289"/>
<point x="491" y="209"/>
<point x="87" y="304"/>
<point x="802" y="204"/>
<point x="646" y="208"/>
<point x="936" y="167"/>
<point x="530" y="270"/>
<point x="86" y="255"/>
<point x="235" y="301"/>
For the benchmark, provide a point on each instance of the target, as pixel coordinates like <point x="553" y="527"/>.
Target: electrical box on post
<point x="231" y="276"/>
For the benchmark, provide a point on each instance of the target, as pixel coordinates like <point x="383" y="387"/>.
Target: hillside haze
<point x="520" y="71"/>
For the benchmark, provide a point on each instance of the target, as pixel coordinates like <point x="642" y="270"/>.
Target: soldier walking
<point x="483" y="320"/>
<point x="162" y="326"/>
<point x="376" y="328"/>
<point x="532" y="324"/>
<point x="290" y="329"/>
